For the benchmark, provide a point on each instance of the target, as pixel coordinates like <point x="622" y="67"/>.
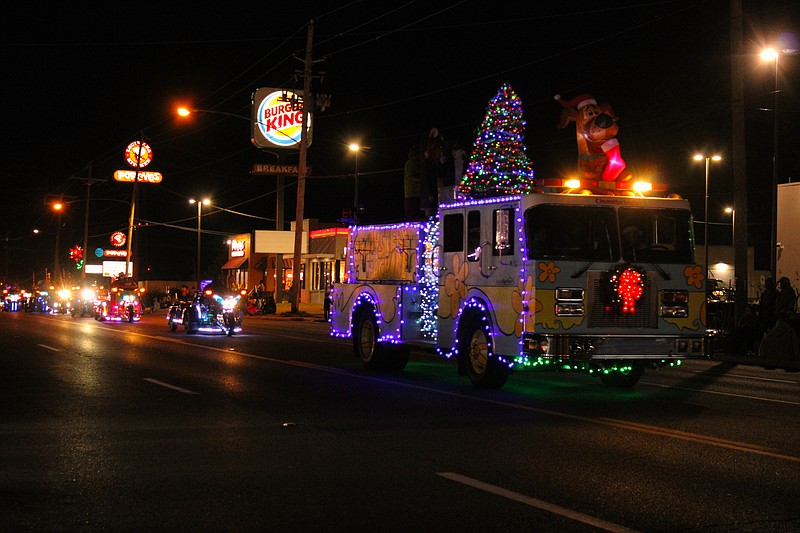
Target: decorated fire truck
<point x="596" y="273"/>
<point x="601" y="283"/>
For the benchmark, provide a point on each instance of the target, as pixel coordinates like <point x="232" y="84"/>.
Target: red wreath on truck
<point x="596" y="130"/>
<point x="623" y="286"/>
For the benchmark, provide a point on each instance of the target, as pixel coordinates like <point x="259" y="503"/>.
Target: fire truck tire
<point x="365" y="340"/>
<point x="485" y="371"/>
<point x="623" y="379"/>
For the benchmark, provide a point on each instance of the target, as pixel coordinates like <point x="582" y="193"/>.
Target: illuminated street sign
<point x="118" y="239"/>
<point x="138" y="154"/>
<point x="142" y="177"/>
<point x="277" y="118"/>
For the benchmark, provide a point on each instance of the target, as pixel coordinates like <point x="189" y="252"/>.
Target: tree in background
<point x="498" y="164"/>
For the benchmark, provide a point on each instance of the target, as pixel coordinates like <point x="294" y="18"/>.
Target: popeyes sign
<point x="277" y="118"/>
<point x="237" y="248"/>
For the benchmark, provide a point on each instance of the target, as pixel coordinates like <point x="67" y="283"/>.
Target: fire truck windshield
<point x="605" y="233"/>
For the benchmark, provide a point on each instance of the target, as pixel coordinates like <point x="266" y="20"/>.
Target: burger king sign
<point x="277" y="118"/>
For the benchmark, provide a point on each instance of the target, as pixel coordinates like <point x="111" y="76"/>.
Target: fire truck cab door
<point x="483" y="239"/>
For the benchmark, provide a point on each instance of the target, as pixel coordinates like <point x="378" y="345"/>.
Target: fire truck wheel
<point x="365" y="340"/>
<point x="485" y="371"/>
<point x="623" y="379"/>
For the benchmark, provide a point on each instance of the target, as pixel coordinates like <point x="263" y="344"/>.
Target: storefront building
<point x="267" y="256"/>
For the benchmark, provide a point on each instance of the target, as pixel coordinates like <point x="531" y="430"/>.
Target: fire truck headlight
<point x="65" y="294"/>
<point x="674" y="304"/>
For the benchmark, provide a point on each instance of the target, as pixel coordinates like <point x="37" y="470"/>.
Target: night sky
<point x="79" y="86"/>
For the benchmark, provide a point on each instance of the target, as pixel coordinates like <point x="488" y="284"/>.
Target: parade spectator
<point x="767" y="305"/>
<point x="786" y="302"/>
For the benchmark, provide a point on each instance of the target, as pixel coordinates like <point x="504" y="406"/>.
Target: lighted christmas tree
<point x="498" y="164"/>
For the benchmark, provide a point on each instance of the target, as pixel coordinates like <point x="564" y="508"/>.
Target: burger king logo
<point x="279" y="116"/>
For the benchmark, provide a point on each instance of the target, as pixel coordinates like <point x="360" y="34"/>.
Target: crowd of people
<point x="771" y="328"/>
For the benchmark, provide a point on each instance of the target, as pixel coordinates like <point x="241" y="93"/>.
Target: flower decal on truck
<point x="455" y="287"/>
<point x="694" y="276"/>
<point x="525" y="306"/>
<point x="548" y="272"/>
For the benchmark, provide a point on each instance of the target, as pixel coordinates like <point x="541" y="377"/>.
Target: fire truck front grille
<point x="603" y="315"/>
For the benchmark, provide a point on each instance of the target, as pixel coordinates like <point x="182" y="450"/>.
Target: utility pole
<point x="131" y="219"/>
<point x="89" y="181"/>
<point x="740" y="267"/>
<point x="279" y="226"/>
<point x="308" y="105"/>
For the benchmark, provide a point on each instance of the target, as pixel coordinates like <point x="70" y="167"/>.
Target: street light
<point x="186" y="111"/>
<point x="708" y="159"/>
<point x="732" y="213"/>
<point x="770" y="54"/>
<point x="58" y="207"/>
<point x="355" y="148"/>
<point x="199" y="203"/>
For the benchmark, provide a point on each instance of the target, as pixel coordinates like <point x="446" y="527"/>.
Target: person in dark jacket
<point x="767" y="305"/>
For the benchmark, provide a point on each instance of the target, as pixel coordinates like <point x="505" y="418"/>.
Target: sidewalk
<point x="309" y="312"/>
<point x="790" y="365"/>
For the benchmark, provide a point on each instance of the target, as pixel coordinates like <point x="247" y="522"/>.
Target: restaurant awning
<point x="234" y="264"/>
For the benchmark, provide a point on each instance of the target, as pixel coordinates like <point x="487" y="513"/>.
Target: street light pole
<point x="89" y="181"/>
<point x="732" y="212"/>
<point x="59" y="207"/>
<point x="770" y="54"/>
<point x="708" y="159"/>
<point x="199" y="216"/>
<point x="354" y="147"/>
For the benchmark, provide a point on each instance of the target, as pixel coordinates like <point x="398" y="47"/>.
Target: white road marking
<point x="534" y="502"/>
<point x="719" y="393"/>
<point x="742" y="376"/>
<point x="693" y="437"/>
<point x="173" y="387"/>
<point x="49" y="347"/>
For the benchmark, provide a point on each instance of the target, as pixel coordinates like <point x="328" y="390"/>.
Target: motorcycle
<point x="83" y="304"/>
<point x="175" y="314"/>
<point x="261" y="304"/>
<point x="232" y="315"/>
<point x="209" y="313"/>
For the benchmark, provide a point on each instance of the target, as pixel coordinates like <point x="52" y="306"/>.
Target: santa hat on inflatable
<point x="577" y="102"/>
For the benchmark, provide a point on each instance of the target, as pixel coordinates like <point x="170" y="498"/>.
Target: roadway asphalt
<point x="315" y="312"/>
